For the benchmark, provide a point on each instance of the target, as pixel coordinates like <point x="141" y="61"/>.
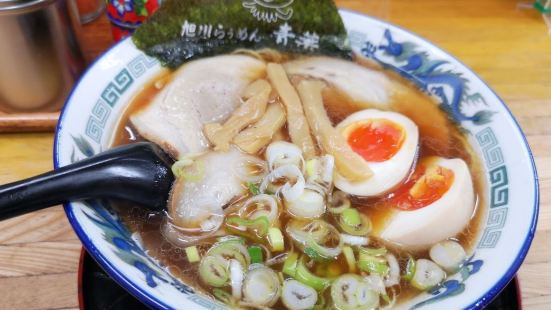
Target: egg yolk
<point x="376" y="140"/>
<point x="424" y="187"/>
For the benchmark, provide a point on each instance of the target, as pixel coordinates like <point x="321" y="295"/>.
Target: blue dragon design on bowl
<point x="410" y="61"/>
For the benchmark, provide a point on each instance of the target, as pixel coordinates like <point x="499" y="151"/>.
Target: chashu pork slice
<point x="361" y="84"/>
<point x="202" y="91"/>
<point x="193" y="202"/>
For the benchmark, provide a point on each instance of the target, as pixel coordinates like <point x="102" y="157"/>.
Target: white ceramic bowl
<point x="95" y="105"/>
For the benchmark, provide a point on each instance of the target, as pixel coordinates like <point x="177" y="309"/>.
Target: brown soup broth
<point x="438" y="134"/>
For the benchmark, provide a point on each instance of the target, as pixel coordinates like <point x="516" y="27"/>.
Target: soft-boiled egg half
<point x="436" y="203"/>
<point x="387" y="141"/>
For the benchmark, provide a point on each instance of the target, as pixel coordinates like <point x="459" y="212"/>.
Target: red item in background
<point x="127" y="15"/>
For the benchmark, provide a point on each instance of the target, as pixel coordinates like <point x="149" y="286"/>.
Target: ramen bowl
<point x="92" y="112"/>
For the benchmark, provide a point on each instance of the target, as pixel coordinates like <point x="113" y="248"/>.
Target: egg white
<point x="386" y="174"/>
<point x="444" y="218"/>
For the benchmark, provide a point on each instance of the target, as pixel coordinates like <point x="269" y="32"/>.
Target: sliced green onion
<point x="255" y="252"/>
<point x="318" y="239"/>
<point x="275" y="237"/>
<point x="261" y="286"/>
<point x="448" y="254"/>
<point x="231" y="249"/>
<point x="290" y="190"/>
<point x="223" y="296"/>
<point x="393" y="277"/>
<point x="260" y="205"/>
<point x="367" y="298"/>
<point x="245" y="234"/>
<point x="351" y="217"/>
<point x="339" y="202"/>
<point x="281" y="153"/>
<point x="253" y="188"/>
<point x="410" y="269"/>
<point x="373" y="264"/>
<point x="237" y="274"/>
<point x="229" y="238"/>
<point x="373" y="252"/>
<point x="301" y="231"/>
<point x="276" y="260"/>
<point x="349" y="292"/>
<point x="361" y="229"/>
<point x="213" y="271"/>
<point x="326" y="248"/>
<point x="350" y="259"/>
<point x="319" y="171"/>
<point x="312" y="167"/>
<point x="354" y="240"/>
<point x="427" y="275"/>
<point x="192" y="254"/>
<point x="310" y="204"/>
<point x="290" y="265"/>
<point x="259" y="224"/>
<point x="304" y="275"/>
<point x="319" y="252"/>
<point x="297" y="296"/>
<point x="313" y="254"/>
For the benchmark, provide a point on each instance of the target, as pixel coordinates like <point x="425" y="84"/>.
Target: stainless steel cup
<point x="39" y="54"/>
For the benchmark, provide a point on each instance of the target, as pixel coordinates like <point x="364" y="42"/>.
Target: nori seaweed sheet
<point x="161" y="36"/>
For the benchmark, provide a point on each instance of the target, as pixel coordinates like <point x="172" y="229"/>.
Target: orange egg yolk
<point x="424" y="187"/>
<point x="376" y="140"/>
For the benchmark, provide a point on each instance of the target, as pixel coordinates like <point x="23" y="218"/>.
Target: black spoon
<point x="138" y="172"/>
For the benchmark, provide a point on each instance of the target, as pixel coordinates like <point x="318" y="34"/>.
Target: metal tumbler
<point x="40" y="57"/>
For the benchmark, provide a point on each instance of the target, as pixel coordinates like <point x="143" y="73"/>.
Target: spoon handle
<point x="138" y="172"/>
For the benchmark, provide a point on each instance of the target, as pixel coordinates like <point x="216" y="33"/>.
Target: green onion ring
<point x="304" y="276"/>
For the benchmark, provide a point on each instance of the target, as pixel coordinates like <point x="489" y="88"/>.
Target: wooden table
<point x="507" y="46"/>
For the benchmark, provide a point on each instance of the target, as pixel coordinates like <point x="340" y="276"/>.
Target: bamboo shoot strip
<point x="249" y="112"/>
<point x="260" y="134"/>
<point x="297" y="124"/>
<point x="349" y="164"/>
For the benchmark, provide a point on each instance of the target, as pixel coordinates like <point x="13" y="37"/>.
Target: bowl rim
<point x="151" y="301"/>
